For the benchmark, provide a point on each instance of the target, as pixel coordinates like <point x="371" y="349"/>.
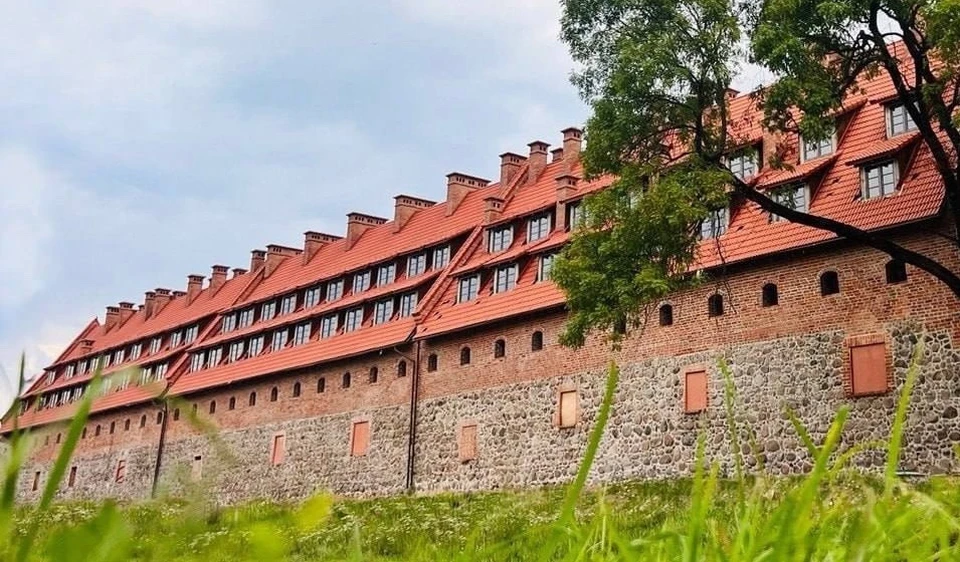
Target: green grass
<point x="834" y="513"/>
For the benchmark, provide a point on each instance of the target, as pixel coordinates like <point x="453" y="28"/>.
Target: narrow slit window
<point x="770" y="296"/>
<point x="465" y="356"/>
<point x="536" y="341"/>
<point x="829" y="283"/>
<point x="499" y="348"/>
<point x="666" y="315"/>
<point x="715" y="305"/>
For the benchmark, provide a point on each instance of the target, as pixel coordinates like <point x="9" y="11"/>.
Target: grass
<point x="833" y="513"/>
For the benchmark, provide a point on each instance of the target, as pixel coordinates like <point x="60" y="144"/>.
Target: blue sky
<point x="142" y="141"/>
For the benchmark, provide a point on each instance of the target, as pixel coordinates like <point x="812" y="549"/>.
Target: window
<point x="816" y="149"/>
<point x="126" y="427"/>
<point x="253" y="399"/>
<point x="899" y="120"/>
<point x="301" y="333"/>
<point x="386" y="274"/>
<point x="743" y="164"/>
<point x="536" y="341"/>
<point x="715" y="305"/>
<point x="666" y="315"/>
<point x="567" y="409"/>
<point x="383" y="311"/>
<point x="345" y="382"/>
<point x="105" y="360"/>
<point x="500" y="238"/>
<point x="311" y="297"/>
<point x="245" y="318"/>
<point x="191" y="333"/>
<point x="353" y="319"/>
<point x="72" y="479"/>
<point x="278" y="449"/>
<point x="177" y="337"/>
<point x="769" y="295"/>
<point x="328" y="326"/>
<point x="321" y="385"/>
<point x="268" y="310"/>
<point x="829" y="283"/>
<point x="232" y="403"/>
<point x="468" y="442"/>
<point x="545" y="267"/>
<point x="360" y="438"/>
<point x="465" y="356"/>
<point x="213" y="407"/>
<point x="374" y="375"/>
<point x="401" y="369"/>
<point x="416" y="264"/>
<point x="880" y="180"/>
<point x="361" y="281"/>
<point x="469" y="287"/>
<point x="235" y="351"/>
<point x="274" y="394"/>
<point x="574" y="215"/>
<point x="70" y="370"/>
<point x="715" y="224"/>
<point x="121" y="473"/>
<point x="228" y="325"/>
<point x="288" y="304"/>
<point x="143" y="421"/>
<point x="441" y="257"/>
<point x="790" y="196"/>
<point x="196" y="362"/>
<point x="896" y="271"/>
<point x="96" y="431"/>
<point x="432" y="362"/>
<point x="505" y="278"/>
<point x="499" y="349"/>
<point x="159" y="418"/>
<point x="213" y="357"/>
<point x="296" y="390"/>
<point x="255" y="346"/>
<point x="868" y="369"/>
<point x="113" y="427"/>
<point x="279" y="340"/>
<point x="408" y="304"/>
<point x="135" y="351"/>
<point x="538" y="227"/>
<point x="695" y="391"/>
<point x="176" y="417"/>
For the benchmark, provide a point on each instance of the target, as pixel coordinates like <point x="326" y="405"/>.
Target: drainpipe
<point x="163" y="438"/>
<point x="412" y="431"/>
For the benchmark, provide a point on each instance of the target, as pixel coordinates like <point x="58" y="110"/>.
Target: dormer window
<point x="235" y="352"/>
<point x="328" y="326"/>
<point x="83" y="367"/>
<point x="408" y="303"/>
<point x="899" y="120"/>
<point x="353" y="320"/>
<point x="715" y="224"/>
<point x="499" y="238"/>
<point x="311" y="297"/>
<point x="279" y="340"/>
<point x="538" y="227"/>
<point x="135" y="351"/>
<point x="334" y="290"/>
<point x="574" y="215"/>
<point x="441" y="257"/>
<point x="196" y="363"/>
<point x="229" y="324"/>
<point x="743" y="164"/>
<point x="469" y="287"/>
<point x="880" y="179"/>
<point x="288" y="304"/>
<point x="105" y="359"/>
<point x="213" y="358"/>
<point x="118" y="356"/>
<point x="505" y="278"/>
<point x="244" y="318"/>
<point x="190" y="333"/>
<point x="416" y="264"/>
<point x="301" y="333"/>
<point x="790" y="196"/>
<point x="268" y="310"/>
<point x="386" y="274"/>
<point x="545" y="267"/>
<point x="71" y="368"/>
<point x="361" y="281"/>
<point x="155" y="344"/>
<point x="383" y="311"/>
<point x="255" y="346"/>
<point x="816" y="149"/>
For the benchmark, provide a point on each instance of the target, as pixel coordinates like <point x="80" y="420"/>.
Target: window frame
<point x="539" y="226"/>
<point x="499" y="238"/>
<point x="909" y="125"/>
<point x="473" y="288"/>
<point x="879" y="165"/>
<point x="505" y="278"/>
<point x="353" y="319"/>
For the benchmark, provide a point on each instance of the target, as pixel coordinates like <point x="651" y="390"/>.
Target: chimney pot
<point x="177" y="294"/>
<point x="218" y="277"/>
<point x="238" y="271"/>
<point x="405" y="207"/>
<point x="126" y="311"/>
<point x="358" y="223"/>
<point x="572" y="144"/>
<point x="459" y="186"/>
<point x="492" y="209"/>
<point x="510" y="164"/>
<point x="537" y="159"/>
<point x="194" y="286"/>
<point x="149" y="303"/>
<point x="257" y="257"/>
<point x="111" y="318"/>
<point x="313" y="241"/>
<point x="556" y="154"/>
<point x="276" y="254"/>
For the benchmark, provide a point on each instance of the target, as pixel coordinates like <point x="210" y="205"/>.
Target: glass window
<point x="70" y="370"/>
<point x="155" y="344"/>
<point x="743" y="164"/>
<point x="386" y="274"/>
<point x="538" y="227"/>
<point x="213" y="357"/>
<point x="334" y="290"/>
<point x="879" y="180"/>
<point x="255" y="346"/>
<point x="245" y="318"/>
<point x="791" y="196"/>
<point x="311" y="297"/>
<point x="545" y="267"/>
<point x="441" y="257"/>
<point x="500" y="238"/>
<point x="574" y="215"/>
<point x="383" y="311"/>
<point x="353" y="319"/>
<point x="279" y="340"/>
<point x="715" y="224"/>
<point x="899" y="120"/>
<point x="177" y="337"/>
<point x="506" y="278"/>
<point x="361" y="281"/>
<point x="190" y="333"/>
<point x="816" y="149"/>
<point x="416" y="264"/>
<point x="301" y="334"/>
<point x="469" y="287"/>
<point x="135" y="351"/>
<point x="196" y="363"/>
<point x="268" y="310"/>
<point x="328" y="326"/>
<point x="229" y="324"/>
<point x="235" y="352"/>
<point x="288" y="304"/>
<point x="408" y="303"/>
<point x="118" y="356"/>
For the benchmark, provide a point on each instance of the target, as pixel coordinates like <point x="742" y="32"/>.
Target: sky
<point x="142" y="141"/>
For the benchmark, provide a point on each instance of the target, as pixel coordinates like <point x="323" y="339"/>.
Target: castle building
<point x="420" y="352"/>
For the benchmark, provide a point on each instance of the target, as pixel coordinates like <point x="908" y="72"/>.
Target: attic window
<point x="416" y="264"/>
<point x="386" y="274"/>
<point x="441" y="257"/>
<point x="500" y="238"/>
<point x="288" y="304"/>
<point x="574" y="215"/>
<point x="469" y="287"/>
<point x="880" y="180"/>
<point x="279" y="339"/>
<point x="829" y="283"/>
<point x="229" y="324"/>
<point x="896" y="271"/>
<point x="354" y="319"/>
<point x="545" y="267"/>
<point x="244" y="319"/>
<point x="538" y="227"/>
<point x="383" y="311"/>
<point x="715" y="305"/>
<point x="255" y="346"/>
<point x="715" y="224"/>
<point x="268" y="310"/>
<point x="235" y="351"/>
<point x="328" y="326"/>
<point x="334" y="290"/>
<point x="505" y="279"/>
<point x="899" y="120"/>
<point x="816" y="149"/>
<point x="361" y="282"/>
<point x="311" y="297"/>
<point x="743" y="164"/>
<point x="301" y="333"/>
<point x="792" y="197"/>
<point x="408" y="304"/>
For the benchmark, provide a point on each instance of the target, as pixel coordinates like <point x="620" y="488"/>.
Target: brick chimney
<point x="126" y="311"/>
<point x="238" y="271"/>
<point x="404" y="207"/>
<point x="458" y="186"/>
<point x="161" y="299"/>
<point x="85" y="346"/>
<point x="276" y="254"/>
<point x="218" y="276"/>
<point x="510" y="164"/>
<point x="572" y="143"/>
<point x="111" y="318"/>
<point x="357" y="224"/>
<point x="194" y="286"/>
<point x="178" y="294"/>
<point x="257" y="258"/>
<point x="492" y="209"/>
<point x="556" y="155"/>
<point x="537" y="159"/>
<point x="566" y="189"/>
<point x="149" y="303"/>
<point x="313" y="241"/>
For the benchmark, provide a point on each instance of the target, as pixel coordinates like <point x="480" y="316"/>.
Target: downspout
<point x="163" y="438"/>
<point x="412" y="431"/>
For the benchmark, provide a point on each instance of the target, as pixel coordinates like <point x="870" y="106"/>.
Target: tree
<point x="657" y="75"/>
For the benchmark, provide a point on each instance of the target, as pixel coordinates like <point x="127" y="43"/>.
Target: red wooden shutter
<point x="568" y="408"/>
<point x="868" y="365"/>
<point x="279" y="449"/>
<point x="360" y="440"/>
<point x="468" y="443"/>
<point x="695" y="392"/>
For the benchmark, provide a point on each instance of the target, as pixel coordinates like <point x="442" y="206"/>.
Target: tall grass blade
<point x="899" y="420"/>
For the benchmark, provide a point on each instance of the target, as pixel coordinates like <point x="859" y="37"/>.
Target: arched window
<point x="829" y="283"/>
<point x="296" y="389"/>
<point x="402" y="368"/>
<point x="321" y="385"/>
<point x="432" y="362"/>
<point x="159" y="417"/>
<point x="96" y="432"/>
<point x="896" y="271"/>
<point x="374" y="375"/>
<point x="465" y="356"/>
<point x="176" y="414"/>
<point x="536" y="341"/>
<point x="715" y="305"/>
<point x="213" y="406"/>
<point x="253" y="399"/>
<point x="499" y="348"/>
<point x="346" y="380"/>
<point x="274" y="394"/>
<point x="666" y="315"/>
<point x="769" y="295"/>
<point x="143" y="420"/>
<point x="232" y="404"/>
